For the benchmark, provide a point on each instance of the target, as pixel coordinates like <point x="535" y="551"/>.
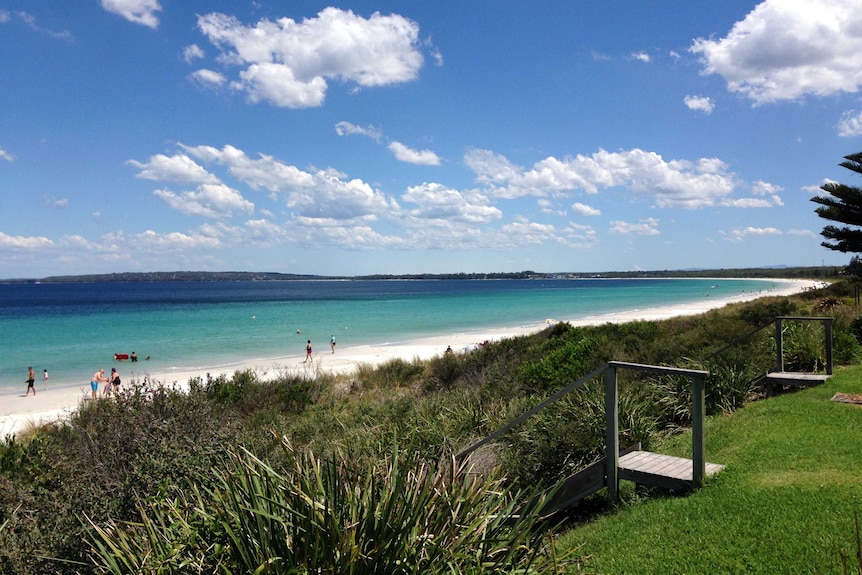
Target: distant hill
<point x="821" y="272"/>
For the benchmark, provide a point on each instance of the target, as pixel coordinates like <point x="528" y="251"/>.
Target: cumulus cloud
<point x="318" y="193"/>
<point x="700" y="104"/>
<point x="208" y="200"/>
<point x="348" y="129"/>
<point x="787" y="50"/>
<point x="850" y="124"/>
<point x="641" y="57"/>
<point x="290" y="63"/>
<point x="585" y="210"/>
<point x="209" y="78"/>
<point x="647" y="227"/>
<point x="6" y="156"/>
<point x="137" y="11"/>
<point x="671" y="184"/>
<point x="192" y="52"/>
<point x="24" y="243"/>
<point x="404" y="154"/>
<point x="177" y="168"/>
<point x="739" y="234"/>
<point x="437" y="201"/>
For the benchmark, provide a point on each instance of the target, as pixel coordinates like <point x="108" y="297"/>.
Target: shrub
<point x="332" y="516"/>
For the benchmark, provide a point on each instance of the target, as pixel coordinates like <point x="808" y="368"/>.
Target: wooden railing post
<point x="698" y="457"/>
<point x="828" y="326"/>
<point x="612" y="441"/>
<point x="779" y="346"/>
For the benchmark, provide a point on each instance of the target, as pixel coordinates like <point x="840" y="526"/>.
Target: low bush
<point x="398" y="516"/>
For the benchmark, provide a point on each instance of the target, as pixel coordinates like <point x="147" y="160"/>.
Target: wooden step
<point x="660" y="470"/>
<point x="795" y="378"/>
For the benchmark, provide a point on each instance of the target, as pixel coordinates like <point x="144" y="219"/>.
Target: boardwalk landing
<point x="655" y="469"/>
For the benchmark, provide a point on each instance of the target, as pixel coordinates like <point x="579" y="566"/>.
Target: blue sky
<point x="408" y="137"/>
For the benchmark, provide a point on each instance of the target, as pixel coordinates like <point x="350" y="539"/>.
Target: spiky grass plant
<point x="332" y="516"/>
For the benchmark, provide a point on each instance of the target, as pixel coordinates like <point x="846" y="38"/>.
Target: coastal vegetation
<point x="356" y="473"/>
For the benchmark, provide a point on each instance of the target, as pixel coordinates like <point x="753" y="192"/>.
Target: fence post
<point x="779" y="346"/>
<point x="828" y="322"/>
<point x="698" y="457"/>
<point x="612" y="428"/>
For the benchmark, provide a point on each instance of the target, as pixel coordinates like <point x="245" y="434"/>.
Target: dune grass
<point x="786" y="503"/>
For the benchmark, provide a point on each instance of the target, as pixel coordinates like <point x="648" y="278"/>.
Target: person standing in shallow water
<point x="31" y="377"/>
<point x="307" y="351"/>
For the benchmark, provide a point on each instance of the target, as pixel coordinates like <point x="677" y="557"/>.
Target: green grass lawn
<point x="784" y="504"/>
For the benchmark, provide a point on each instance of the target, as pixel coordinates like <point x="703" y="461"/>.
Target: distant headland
<point x="777" y="272"/>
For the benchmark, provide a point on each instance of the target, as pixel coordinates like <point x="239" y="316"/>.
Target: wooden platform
<point x="655" y="469"/>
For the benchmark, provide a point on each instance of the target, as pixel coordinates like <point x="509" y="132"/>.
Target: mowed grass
<point x="786" y="502"/>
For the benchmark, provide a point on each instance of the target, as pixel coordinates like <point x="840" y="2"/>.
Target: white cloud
<point x="647" y="227"/>
<point x="785" y="50"/>
<point x="739" y="234"/>
<point x="700" y="104"/>
<point x="152" y="241"/>
<point x="137" y="11"/>
<point x="177" y="168"/>
<point x="192" y="52"/>
<point x="805" y="233"/>
<point x="850" y="124"/>
<point x="321" y="193"/>
<point x="208" y="200"/>
<point x="4" y="155"/>
<point x="761" y="188"/>
<point x="209" y="78"/>
<point x="749" y="203"/>
<point x="437" y="201"/>
<point x="672" y="184"/>
<point x="30" y="21"/>
<point x="585" y="210"/>
<point x="290" y="63"/>
<point x="24" y="243"/>
<point x="404" y="154"/>
<point x="348" y="129"/>
<point x="55" y="202"/>
<point x="640" y="56"/>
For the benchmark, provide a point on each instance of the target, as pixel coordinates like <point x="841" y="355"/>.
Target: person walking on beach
<point x="332" y="343"/>
<point x="307" y="351"/>
<point x="98" y="378"/>
<point x="31" y="377"/>
<point x="45" y="379"/>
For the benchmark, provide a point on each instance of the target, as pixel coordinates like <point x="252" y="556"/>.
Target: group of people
<point x="112" y="383"/>
<point x="308" y="348"/>
<point x="31" y="380"/>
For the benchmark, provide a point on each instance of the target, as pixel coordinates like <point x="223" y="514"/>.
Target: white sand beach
<point x="18" y="412"/>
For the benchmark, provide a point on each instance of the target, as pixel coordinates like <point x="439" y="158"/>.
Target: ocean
<point x="74" y="329"/>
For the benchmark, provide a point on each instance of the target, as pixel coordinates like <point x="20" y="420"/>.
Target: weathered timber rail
<point x="640" y="466"/>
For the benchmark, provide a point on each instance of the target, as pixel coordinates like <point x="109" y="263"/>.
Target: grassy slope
<point x="784" y="504"/>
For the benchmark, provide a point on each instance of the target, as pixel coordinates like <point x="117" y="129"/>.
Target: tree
<point x="844" y="205"/>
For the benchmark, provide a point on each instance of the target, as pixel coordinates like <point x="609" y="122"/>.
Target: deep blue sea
<point x="74" y="329"/>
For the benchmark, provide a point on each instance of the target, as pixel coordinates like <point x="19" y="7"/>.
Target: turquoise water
<point x="74" y="329"/>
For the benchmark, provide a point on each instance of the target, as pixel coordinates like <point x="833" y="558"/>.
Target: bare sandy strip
<point x="18" y="412"/>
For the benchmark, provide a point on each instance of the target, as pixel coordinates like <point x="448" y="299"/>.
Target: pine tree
<point x="844" y="205"/>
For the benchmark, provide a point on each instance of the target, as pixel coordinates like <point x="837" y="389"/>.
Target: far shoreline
<point x="19" y="412"/>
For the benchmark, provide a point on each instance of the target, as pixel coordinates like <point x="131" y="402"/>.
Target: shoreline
<point x="19" y="413"/>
